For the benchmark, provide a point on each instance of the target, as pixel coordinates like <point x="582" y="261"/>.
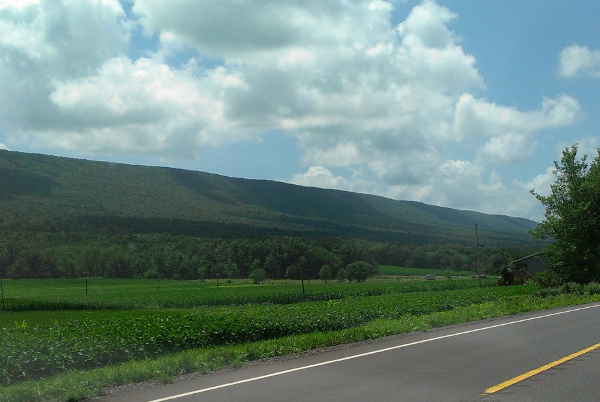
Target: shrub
<point x="592" y="288"/>
<point x="572" y="288"/>
<point x="547" y="279"/>
<point x="151" y="274"/>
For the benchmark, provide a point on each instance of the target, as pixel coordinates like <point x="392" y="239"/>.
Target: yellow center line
<point x="536" y="371"/>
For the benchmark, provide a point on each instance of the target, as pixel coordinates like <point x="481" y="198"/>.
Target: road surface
<point x="547" y="356"/>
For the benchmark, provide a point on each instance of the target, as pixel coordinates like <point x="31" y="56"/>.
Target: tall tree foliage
<point x="572" y="218"/>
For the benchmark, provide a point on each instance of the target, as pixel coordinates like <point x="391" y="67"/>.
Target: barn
<point x="522" y="269"/>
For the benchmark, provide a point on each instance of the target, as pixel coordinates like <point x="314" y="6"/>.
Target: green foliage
<point x="572" y="219"/>
<point x="52" y="194"/>
<point x="570" y="288"/>
<point x="342" y="274"/>
<point x="547" y="279"/>
<point x="87" y="384"/>
<point x="119" y="294"/>
<point x="258" y="275"/>
<point x="325" y="273"/>
<point x="592" y="288"/>
<point x="32" y="351"/>
<point x="360" y="271"/>
<point x="71" y="255"/>
<point x="151" y="274"/>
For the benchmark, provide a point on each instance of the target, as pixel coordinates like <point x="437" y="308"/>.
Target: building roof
<point x="539" y="253"/>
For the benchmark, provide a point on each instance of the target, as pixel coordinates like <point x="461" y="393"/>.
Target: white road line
<point x="437" y="338"/>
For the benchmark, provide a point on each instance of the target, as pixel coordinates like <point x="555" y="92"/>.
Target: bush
<point x="547" y="279"/>
<point x="151" y="274"/>
<point x="545" y="292"/>
<point x="592" y="288"/>
<point x="572" y="288"/>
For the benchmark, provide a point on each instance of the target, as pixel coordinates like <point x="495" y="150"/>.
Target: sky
<point x="462" y="104"/>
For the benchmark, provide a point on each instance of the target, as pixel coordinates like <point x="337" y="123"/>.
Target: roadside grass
<point x="78" y="385"/>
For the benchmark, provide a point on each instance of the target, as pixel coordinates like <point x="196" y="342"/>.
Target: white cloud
<point x="18" y="4"/>
<point x="541" y="182"/>
<point x="319" y="176"/>
<point x="146" y="106"/>
<point x="575" y="61"/>
<point x="246" y="31"/>
<point x="466" y="185"/>
<point x="426" y="27"/>
<point x="4" y="147"/>
<point x="479" y="118"/>
<point x="508" y="148"/>
<point x="382" y="102"/>
<point x="44" y="41"/>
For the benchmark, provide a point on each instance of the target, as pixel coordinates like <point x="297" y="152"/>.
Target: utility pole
<point x="478" y="260"/>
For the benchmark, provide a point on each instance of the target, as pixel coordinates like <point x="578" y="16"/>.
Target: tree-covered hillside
<point x="45" y="193"/>
<point x="63" y="217"/>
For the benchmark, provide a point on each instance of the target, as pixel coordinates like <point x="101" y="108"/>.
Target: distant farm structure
<point x="522" y="270"/>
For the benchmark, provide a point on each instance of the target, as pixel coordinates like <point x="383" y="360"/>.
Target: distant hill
<point x="39" y="192"/>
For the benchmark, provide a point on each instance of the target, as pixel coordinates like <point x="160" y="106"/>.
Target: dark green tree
<point x="258" y="275"/>
<point x="572" y="218"/>
<point x="325" y="273"/>
<point x="341" y="275"/>
<point x="359" y="271"/>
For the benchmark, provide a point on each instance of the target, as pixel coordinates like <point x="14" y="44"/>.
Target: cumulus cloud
<point x="246" y="31"/>
<point x="480" y="118"/>
<point x="146" y="106"/>
<point x="541" y="182"/>
<point x="319" y="176"/>
<point x="575" y="61"/>
<point x="381" y="103"/>
<point x="41" y="42"/>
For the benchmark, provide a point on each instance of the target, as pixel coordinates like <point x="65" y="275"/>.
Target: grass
<point x="408" y="271"/>
<point x="80" y="385"/>
<point x="38" y="350"/>
<point x="158" y="343"/>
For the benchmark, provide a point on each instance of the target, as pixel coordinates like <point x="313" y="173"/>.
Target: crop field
<point x="115" y="294"/>
<point x="51" y="327"/>
<point x="61" y="340"/>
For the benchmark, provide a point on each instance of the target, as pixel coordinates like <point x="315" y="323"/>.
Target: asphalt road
<point x="450" y="364"/>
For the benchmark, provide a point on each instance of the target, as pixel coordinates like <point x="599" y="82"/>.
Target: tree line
<point x="45" y="255"/>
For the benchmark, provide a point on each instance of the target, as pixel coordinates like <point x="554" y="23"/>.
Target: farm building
<point x="532" y="264"/>
<point x="523" y="269"/>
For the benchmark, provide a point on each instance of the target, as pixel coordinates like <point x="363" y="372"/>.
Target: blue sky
<point x="452" y="103"/>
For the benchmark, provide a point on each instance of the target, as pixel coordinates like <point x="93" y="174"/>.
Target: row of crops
<point x="53" y="295"/>
<point x="41" y="350"/>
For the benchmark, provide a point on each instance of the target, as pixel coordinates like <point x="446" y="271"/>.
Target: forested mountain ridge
<point x="47" y="193"/>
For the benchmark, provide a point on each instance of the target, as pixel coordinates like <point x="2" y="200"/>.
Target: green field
<point x="53" y="330"/>
<point x="408" y="271"/>
<point x="117" y="294"/>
